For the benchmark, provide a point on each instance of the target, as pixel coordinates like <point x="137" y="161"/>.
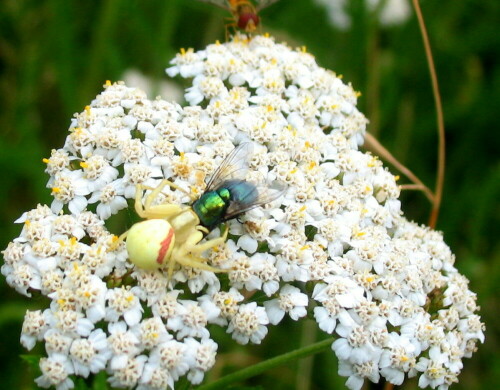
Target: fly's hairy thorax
<point x="211" y="207"/>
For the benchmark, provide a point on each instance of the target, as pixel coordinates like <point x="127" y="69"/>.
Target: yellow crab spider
<point x="169" y="234"/>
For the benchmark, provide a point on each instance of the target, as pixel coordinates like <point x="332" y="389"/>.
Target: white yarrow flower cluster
<point x="385" y="287"/>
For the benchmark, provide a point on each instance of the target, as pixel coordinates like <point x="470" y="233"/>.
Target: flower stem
<point x="304" y="367"/>
<point x="388" y="386"/>
<point x="261" y="367"/>
<point x="440" y="120"/>
<point x="379" y="149"/>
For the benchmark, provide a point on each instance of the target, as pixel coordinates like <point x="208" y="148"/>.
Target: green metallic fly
<point x="171" y="233"/>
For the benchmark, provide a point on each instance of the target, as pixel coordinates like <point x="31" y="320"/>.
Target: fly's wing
<point x="264" y="3"/>
<point x="258" y="194"/>
<point x="219" y="3"/>
<point x="247" y="193"/>
<point x="234" y="166"/>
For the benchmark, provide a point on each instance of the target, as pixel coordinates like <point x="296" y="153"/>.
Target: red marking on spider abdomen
<point x="164" y="246"/>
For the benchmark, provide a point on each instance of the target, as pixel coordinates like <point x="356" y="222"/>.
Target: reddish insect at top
<point x="245" y="15"/>
<point x="244" y="11"/>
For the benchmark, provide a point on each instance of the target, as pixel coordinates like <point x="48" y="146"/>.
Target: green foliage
<point x="245" y="388"/>
<point x="99" y="382"/>
<point x="94" y="382"/>
<point x="32" y="360"/>
<point x="56" y="54"/>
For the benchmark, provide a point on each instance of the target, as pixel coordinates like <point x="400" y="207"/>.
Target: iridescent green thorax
<point x="215" y="206"/>
<point x="212" y="206"/>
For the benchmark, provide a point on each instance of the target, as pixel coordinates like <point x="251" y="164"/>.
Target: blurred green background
<point x="56" y="54"/>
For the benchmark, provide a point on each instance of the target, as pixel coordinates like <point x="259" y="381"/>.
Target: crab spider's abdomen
<point x="150" y="243"/>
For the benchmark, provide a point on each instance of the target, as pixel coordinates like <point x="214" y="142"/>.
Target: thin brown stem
<point x="440" y="119"/>
<point x="417" y="187"/>
<point x="376" y="147"/>
<point x="388" y="386"/>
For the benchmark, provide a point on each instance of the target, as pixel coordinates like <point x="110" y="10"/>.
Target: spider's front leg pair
<point x="161" y="211"/>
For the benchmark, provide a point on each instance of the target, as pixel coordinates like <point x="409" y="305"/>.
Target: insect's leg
<point x="122" y="236"/>
<point x="230" y="26"/>
<point x="202" y="229"/>
<point x="196" y="248"/>
<point x="154" y="193"/>
<point x="200" y="263"/>
<point x="148" y="211"/>
<point x="171" y="265"/>
<point x="118" y="241"/>
<point x="139" y="208"/>
<point x="181" y="256"/>
<point x="166" y="182"/>
<point x="163" y="211"/>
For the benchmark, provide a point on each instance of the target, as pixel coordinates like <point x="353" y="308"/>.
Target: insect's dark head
<point x="248" y="21"/>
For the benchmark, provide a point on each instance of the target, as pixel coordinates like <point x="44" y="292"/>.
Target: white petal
<point x="77" y="205"/>
<point x="247" y="243"/>
<point x="354" y="382"/>
<point x="274" y="312"/>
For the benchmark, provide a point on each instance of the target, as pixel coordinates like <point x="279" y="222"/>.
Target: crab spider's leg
<point x="202" y="229"/>
<point x="115" y="244"/>
<point x="143" y="211"/>
<point x="191" y="261"/>
<point x="159" y="211"/>
<point x="176" y="187"/>
<point x="199" y="262"/>
<point x="122" y="236"/>
<point x="169" y="183"/>
<point x="162" y="211"/>
<point x="139" y="208"/>
<point x="195" y="248"/>
<point x="154" y="193"/>
<point x="170" y="269"/>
